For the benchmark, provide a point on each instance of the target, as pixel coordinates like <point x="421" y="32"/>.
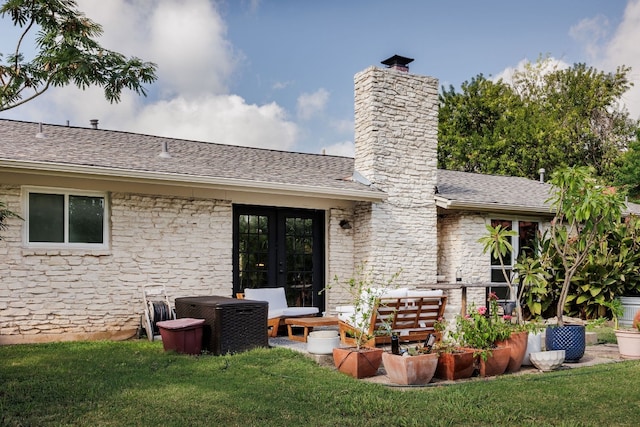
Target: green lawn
<point x="136" y="383"/>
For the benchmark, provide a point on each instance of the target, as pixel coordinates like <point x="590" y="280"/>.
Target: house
<point x="107" y="212"/>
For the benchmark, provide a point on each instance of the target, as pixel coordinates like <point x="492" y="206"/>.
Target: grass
<point x="135" y="383"/>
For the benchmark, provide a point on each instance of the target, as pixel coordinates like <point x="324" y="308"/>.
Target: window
<point x="66" y="218"/>
<point x="523" y="244"/>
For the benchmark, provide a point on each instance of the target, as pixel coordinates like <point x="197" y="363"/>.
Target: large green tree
<point x="546" y="118"/>
<point x="66" y="53"/>
<point x="628" y="174"/>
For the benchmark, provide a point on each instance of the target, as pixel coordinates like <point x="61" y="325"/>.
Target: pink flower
<point x="482" y="311"/>
<point x="507" y="317"/>
<point x="493" y="296"/>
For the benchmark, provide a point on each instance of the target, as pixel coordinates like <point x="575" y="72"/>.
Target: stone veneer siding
<point x="458" y="248"/>
<point x="59" y="294"/>
<point x="396" y="126"/>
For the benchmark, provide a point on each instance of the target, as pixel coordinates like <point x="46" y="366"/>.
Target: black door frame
<point x="277" y="274"/>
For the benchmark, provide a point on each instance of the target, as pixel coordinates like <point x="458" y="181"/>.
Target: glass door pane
<point x="299" y="266"/>
<point x="253" y="251"/>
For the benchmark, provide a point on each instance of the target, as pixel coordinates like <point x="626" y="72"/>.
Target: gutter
<point x="449" y="204"/>
<point x="235" y="184"/>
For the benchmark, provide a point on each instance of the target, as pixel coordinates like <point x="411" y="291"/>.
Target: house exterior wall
<point x="396" y="125"/>
<point x="59" y="294"/>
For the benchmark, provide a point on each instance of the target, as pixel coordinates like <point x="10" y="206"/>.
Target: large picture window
<point x="66" y="218"/>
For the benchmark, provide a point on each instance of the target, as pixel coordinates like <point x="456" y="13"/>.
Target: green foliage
<point x="548" y="118"/>
<point x="628" y="174"/>
<point x="481" y="330"/>
<point x="67" y="53"/>
<point x="585" y="214"/>
<point x="4" y="215"/>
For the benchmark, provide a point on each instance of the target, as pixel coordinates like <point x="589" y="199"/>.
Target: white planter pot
<point x="534" y="345"/>
<point x="322" y="342"/>
<point x="628" y="344"/>
<point x="630" y="305"/>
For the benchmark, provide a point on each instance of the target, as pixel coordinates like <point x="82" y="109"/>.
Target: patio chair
<point x="278" y="307"/>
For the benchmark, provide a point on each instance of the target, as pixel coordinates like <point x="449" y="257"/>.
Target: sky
<point x="278" y="74"/>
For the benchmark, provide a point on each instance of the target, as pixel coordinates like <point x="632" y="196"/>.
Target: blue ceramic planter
<point x="570" y="338"/>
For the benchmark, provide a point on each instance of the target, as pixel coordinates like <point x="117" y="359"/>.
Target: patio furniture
<point x="307" y="323"/>
<point x="231" y="325"/>
<point x="411" y="316"/>
<point x="278" y="307"/>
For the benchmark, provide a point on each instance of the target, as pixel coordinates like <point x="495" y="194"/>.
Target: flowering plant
<point x="481" y="329"/>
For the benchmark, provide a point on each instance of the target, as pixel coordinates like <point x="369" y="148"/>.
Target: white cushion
<point x="277" y="302"/>
<point x="424" y="293"/>
<point x="274" y="296"/>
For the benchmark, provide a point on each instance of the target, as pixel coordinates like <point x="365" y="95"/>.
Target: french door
<point x="280" y="247"/>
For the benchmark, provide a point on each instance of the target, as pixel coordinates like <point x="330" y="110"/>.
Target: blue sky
<point x="279" y="74"/>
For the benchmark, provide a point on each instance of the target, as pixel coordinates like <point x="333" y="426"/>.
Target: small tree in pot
<point x="585" y="212"/>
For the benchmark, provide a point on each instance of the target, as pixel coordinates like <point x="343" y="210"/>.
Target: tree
<point x="66" y="53"/>
<point x="628" y="174"/>
<point x="547" y="118"/>
<point x="585" y="214"/>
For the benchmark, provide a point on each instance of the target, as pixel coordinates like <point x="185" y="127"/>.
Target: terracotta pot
<point x="455" y="365"/>
<point x="357" y="363"/>
<point x="517" y="342"/>
<point x="418" y="369"/>
<point x="628" y="344"/>
<point x="496" y="362"/>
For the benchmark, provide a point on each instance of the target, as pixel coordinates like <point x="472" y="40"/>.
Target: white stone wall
<point x="458" y="248"/>
<point x="182" y="243"/>
<point x="396" y="125"/>
<point x="340" y="258"/>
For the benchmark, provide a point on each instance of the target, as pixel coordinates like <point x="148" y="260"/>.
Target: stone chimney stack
<point x="396" y="137"/>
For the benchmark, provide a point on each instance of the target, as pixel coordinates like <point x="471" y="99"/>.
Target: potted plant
<point x="362" y="359"/>
<point x="482" y="331"/>
<point x="497" y="241"/>
<point x="584" y="214"/>
<point x="415" y="365"/>
<point x="628" y="338"/>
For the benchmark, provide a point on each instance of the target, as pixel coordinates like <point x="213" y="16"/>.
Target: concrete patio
<point x="595" y="354"/>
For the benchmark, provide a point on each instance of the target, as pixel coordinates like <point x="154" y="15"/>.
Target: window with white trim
<point x="523" y="244"/>
<point x="66" y="218"/>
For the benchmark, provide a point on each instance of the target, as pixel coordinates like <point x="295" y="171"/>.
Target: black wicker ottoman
<point x="230" y="325"/>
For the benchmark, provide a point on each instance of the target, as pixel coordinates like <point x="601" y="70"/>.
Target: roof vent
<point x="165" y="151"/>
<point x="40" y="134"/>
<point x="398" y="62"/>
<point x="94" y="123"/>
<point x="541" y="171"/>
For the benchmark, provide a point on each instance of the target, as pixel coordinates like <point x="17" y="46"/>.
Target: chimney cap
<point x="398" y="62"/>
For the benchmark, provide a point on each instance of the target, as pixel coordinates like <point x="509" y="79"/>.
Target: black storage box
<point x="230" y="325"/>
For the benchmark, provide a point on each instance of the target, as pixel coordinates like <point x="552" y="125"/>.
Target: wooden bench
<point x="411" y="318"/>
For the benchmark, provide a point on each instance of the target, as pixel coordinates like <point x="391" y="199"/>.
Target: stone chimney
<point x="396" y="136"/>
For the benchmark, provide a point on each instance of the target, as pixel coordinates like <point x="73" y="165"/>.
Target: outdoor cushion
<point x="278" y="303"/>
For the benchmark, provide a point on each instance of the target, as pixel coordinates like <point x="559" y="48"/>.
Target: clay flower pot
<point x="455" y="365"/>
<point x="517" y="342"/>
<point x="414" y="370"/>
<point x="496" y="362"/>
<point x="357" y="363"/>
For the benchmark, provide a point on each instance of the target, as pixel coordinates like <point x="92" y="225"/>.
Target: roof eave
<point x="448" y="204"/>
<point x="234" y="184"/>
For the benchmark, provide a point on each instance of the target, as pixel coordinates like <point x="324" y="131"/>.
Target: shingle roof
<point x="126" y="152"/>
<point x="123" y="152"/>
<point x="463" y="190"/>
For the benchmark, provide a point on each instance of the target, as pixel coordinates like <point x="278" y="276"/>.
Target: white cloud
<point x="591" y="32"/>
<point x="190" y="99"/>
<point x="310" y="104"/>
<point x="221" y="119"/>
<point x="346" y="149"/>
<point x="549" y="65"/>
<point x="624" y="49"/>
